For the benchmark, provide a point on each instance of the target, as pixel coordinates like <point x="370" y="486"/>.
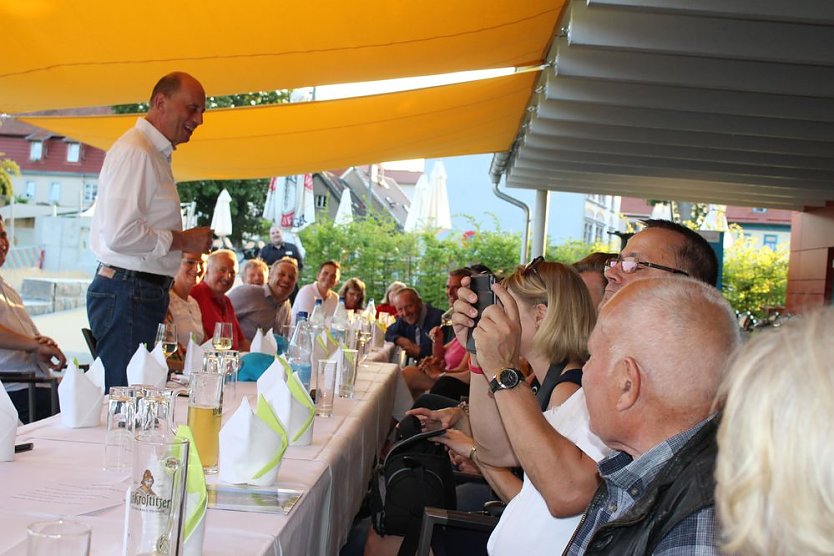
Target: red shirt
<point x="215" y="311"/>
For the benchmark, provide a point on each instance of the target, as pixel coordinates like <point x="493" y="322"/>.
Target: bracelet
<point x="472" y="452"/>
<point x="475" y="369"/>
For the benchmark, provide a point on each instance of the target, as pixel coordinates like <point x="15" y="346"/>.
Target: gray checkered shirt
<point x="625" y="482"/>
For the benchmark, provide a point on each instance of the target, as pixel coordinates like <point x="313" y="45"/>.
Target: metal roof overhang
<point x="713" y="101"/>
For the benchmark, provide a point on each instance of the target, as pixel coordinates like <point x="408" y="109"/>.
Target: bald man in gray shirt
<point x="266" y="306"/>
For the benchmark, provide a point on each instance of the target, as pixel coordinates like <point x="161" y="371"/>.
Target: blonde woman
<point x="774" y="470"/>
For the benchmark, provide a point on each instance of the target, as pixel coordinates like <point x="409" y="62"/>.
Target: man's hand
<point x="409" y="347"/>
<point x="48" y="353"/>
<point x="498" y="334"/>
<point x="193" y="240"/>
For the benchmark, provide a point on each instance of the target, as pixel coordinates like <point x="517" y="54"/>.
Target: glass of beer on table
<point x="205" y="406"/>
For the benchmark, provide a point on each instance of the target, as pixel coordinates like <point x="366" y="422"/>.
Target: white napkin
<point x="276" y="372"/>
<point x="148" y="368"/>
<point x="8" y="426"/>
<point x="80" y="397"/>
<point x="252" y="445"/>
<point x="193" y="357"/>
<point x="264" y="343"/>
<point x="293" y="407"/>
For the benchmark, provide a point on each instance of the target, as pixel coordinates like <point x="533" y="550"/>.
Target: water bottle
<point x="316" y="320"/>
<point x="370" y="310"/>
<point x="300" y="350"/>
<point x="340" y="322"/>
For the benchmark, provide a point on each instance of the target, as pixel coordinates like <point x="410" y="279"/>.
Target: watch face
<point x="508" y="378"/>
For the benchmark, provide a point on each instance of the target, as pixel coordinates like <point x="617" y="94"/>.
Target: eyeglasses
<point x="531" y="267"/>
<point x="628" y="265"/>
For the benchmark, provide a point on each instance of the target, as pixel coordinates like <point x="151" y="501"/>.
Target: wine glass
<point x="222" y="339"/>
<point x="166" y="334"/>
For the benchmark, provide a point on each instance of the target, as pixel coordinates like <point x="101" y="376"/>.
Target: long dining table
<point x="62" y="476"/>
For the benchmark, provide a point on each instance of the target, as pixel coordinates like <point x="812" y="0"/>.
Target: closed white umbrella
<point x="662" y="211"/>
<point x="221" y="219"/>
<point x="344" y="214"/>
<point x="274" y="201"/>
<point x="429" y="208"/>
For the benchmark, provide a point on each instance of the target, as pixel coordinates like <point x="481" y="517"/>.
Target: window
<point x="73" y="152"/>
<point x="598" y="235"/>
<point x="31" y="190"/>
<point x="770" y="240"/>
<point x="90" y="192"/>
<point x="588" y="233"/>
<point x="760" y="210"/>
<point x="36" y="150"/>
<point x="321" y="201"/>
<point x="55" y="192"/>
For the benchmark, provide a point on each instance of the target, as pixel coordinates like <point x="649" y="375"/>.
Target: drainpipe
<point x="499" y="162"/>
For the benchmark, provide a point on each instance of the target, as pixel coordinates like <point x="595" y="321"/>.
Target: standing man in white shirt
<point x="137" y="227"/>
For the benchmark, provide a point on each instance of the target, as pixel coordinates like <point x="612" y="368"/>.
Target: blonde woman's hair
<point x="570" y="317"/>
<point x="774" y="472"/>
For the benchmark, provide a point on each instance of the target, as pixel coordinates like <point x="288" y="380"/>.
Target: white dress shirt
<point x="138" y="204"/>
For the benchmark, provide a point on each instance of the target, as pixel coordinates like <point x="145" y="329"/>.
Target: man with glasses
<point x="661" y="248"/>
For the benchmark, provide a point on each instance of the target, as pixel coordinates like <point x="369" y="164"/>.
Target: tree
<point x="8" y="168"/>
<point x="755" y="277"/>
<point x="248" y="196"/>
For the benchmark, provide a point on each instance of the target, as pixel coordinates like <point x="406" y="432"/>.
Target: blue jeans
<point x="124" y="312"/>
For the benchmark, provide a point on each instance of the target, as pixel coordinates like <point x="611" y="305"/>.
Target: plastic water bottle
<point x="340" y="322"/>
<point x="370" y="310"/>
<point x="300" y="350"/>
<point x="317" y="318"/>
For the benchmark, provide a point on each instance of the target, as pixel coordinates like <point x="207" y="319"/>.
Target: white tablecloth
<point x="333" y="471"/>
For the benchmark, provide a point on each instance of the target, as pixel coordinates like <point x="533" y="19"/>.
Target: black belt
<point x="158" y="279"/>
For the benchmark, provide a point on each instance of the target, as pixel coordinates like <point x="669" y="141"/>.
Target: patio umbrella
<point x="716" y="219"/>
<point x="344" y="214"/>
<point x="274" y="198"/>
<point x="221" y="219"/>
<point x="429" y="208"/>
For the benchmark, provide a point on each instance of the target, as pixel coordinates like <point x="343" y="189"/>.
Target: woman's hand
<point x="436" y="419"/>
<point x="457" y="441"/>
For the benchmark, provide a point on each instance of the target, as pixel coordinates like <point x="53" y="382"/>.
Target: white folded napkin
<point x="293" y="407"/>
<point x="193" y="358"/>
<point x="8" y="426"/>
<point x="196" y="501"/>
<point x="80" y="397"/>
<point x="277" y="371"/>
<point x="96" y="373"/>
<point x="252" y="445"/>
<point x="264" y="343"/>
<point x="148" y="367"/>
<point x="378" y="335"/>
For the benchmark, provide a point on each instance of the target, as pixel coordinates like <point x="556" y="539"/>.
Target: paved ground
<point x="65" y="328"/>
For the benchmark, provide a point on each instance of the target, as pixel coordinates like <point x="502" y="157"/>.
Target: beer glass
<point x="154" y="409"/>
<point x="157" y="494"/>
<point x="118" y="439"/>
<point x="325" y="387"/>
<point x="204" y="410"/>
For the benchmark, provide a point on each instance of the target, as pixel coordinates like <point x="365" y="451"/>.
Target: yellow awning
<point x="60" y="54"/>
<point x="279" y="140"/>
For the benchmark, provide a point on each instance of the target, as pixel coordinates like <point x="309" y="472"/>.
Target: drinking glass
<point x="154" y="409"/>
<point x="222" y="339"/>
<point x="166" y="334"/>
<point x="347" y="372"/>
<point x="229" y="364"/>
<point x="118" y="440"/>
<point x="365" y="335"/>
<point x="205" y="407"/>
<point x="62" y="537"/>
<point x="157" y="494"/>
<point x="325" y="387"/>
